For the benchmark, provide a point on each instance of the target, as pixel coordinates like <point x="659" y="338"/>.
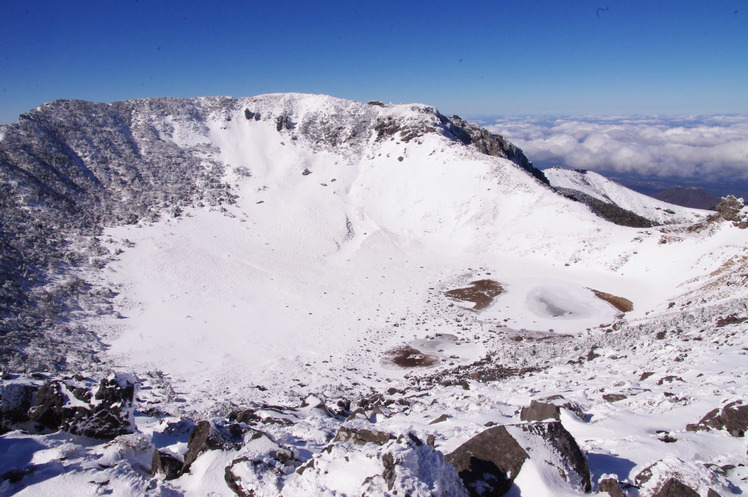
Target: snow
<point x="598" y="186"/>
<point x="307" y="282"/>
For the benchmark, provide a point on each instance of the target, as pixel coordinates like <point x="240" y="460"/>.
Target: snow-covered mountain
<point x="589" y="186"/>
<point x="301" y="295"/>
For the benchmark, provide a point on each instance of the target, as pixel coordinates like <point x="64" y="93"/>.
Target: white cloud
<point x="690" y="147"/>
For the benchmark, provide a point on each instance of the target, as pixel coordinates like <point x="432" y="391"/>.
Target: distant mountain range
<point x="688" y="197"/>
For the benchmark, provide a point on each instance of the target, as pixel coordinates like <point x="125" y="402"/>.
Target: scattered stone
<point x="316" y="403"/>
<point x="669" y="379"/>
<point x="592" y="355"/>
<point x="440" y="419"/>
<point x="731" y="319"/>
<point x="614" y="397"/>
<point x="646" y="375"/>
<point x="666" y="436"/>
<point x="362" y="436"/>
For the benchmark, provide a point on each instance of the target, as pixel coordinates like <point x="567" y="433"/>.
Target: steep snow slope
<point x="598" y="186"/>
<point x="319" y="294"/>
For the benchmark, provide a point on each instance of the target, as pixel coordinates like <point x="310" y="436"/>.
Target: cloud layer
<point x="714" y="148"/>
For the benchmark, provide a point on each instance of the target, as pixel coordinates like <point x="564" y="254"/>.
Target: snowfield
<point x="292" y="312"/>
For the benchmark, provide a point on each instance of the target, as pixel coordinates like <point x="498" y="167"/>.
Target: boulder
<point x="571" y="461"/>
<point x="539" y="411"/>
<point x="165" y="464"/>
<point x="115" y="389"/>
<point x="104" y="422"/>
<point x="489" y="462"/>
<point x="213" y="435"/>
<point x="48" y="407"/>
<point x="15" y="401"/>
<point x="675" y="488"/>
<point x="733" y="418"/>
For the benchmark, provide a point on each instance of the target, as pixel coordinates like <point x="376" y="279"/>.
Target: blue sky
<point x="480" y="58"/>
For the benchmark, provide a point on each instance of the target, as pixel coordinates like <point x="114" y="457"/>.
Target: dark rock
<point x="209" y="435"/>
<point x="361" y="436"/>
<point x="48" y="407"/>
<point x="606" y="210"/>
<point x="729" y="209"/>
<point x="316" y="403"/>
<point x="731" y="319"/>
<point x="611" y="487"/>
<point x="613" y="397"/>
<point x="669" y="379"/>
<point x="104" y="422"/>
<point x="571" y="455"/>
<point x="674" y="488"/>
<point x="645" y="375"/>
<point x="283" y="122"/>
<point x="488" y="463"/>
<point x="249" y="115"/>
<point x="490" y="144"/>
<point x="389" y="475"/>
<point x="165" y="464"/>
<point x="481" y="293"/>
<point x="733" y="418"/>
<point x="15" y="401"/>
<point x="539" y="411"/>
<point x="440" y="419"/>
<point x="563" y="403"/>
<point x="58" y="407"/>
